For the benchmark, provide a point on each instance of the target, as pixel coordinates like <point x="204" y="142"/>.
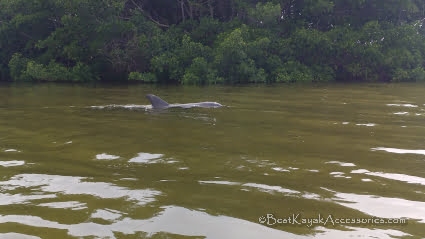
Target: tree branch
<point x="148" y="15"/>
<point x="25" y="35"/>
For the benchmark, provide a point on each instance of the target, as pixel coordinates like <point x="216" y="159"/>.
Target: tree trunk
<point x="190" y="11"/>
<point x="211" y="9"/>
<point x="182" y="9"/>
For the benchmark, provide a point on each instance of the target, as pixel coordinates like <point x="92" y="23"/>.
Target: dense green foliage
<point x="212" y="41"/>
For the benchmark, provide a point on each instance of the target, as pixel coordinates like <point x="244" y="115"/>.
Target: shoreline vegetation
<point x="212" y="41"/>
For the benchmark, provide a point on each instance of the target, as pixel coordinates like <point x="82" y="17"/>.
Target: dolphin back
<point x="157" y="102"/>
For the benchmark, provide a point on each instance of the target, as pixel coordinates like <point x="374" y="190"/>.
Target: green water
<point x="94" y="162"/>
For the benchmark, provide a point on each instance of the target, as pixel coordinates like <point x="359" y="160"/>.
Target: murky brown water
<point x="119" y="170"/>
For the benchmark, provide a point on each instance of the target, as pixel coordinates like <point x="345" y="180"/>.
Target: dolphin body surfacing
<point x="158" y="103"/>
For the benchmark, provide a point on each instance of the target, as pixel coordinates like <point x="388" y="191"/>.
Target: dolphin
<point x="158" y="103"/>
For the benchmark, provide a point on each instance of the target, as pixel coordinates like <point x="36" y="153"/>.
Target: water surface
<point x="97" y="162"/>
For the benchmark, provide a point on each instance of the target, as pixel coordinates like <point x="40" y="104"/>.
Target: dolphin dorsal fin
<point x="157" y="102"/>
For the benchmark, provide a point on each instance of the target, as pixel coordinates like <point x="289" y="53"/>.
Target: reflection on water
<point x="403" y="105"/>
<point x="12" y="235"/>
<point x="339" y="175"/>
<point x="76" y="186"/>
<point x="17" y="198"/>
<point x="268" y="188"/>
<point x="11" y="150"/>
<point x="107" y="214"/>
<point x="130" y="107"/>
<point x="265" y="188"/>
<point x="401" y="113"/>
<point x="94" y="162"/>
<point x="182" y="221"/>
<point x="367" y="125"/>
<point x="107" y="156"/>
<point x="400" y="151"/>
<point x="220" y="182"/>
<point x="383" y="207"/>
<point x="12" y="163"/>
<point x="393" y="176"/>
<point x="73" y="205"/>
<point x="146" y="158"/>
<point x="280" y="169"/>
<point x="342" y="164"/>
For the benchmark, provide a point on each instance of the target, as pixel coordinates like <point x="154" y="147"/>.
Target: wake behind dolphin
<point x="158" y="103"/>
